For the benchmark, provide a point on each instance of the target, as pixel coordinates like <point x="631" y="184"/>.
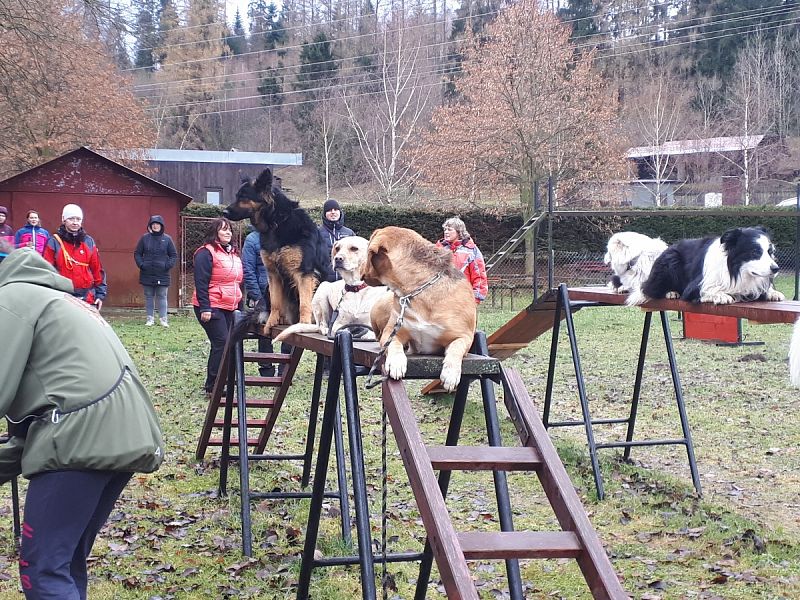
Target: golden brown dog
<point x="440" y="314"/>
<point x="349" y="298"/>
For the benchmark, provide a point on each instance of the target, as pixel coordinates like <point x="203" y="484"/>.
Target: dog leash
<point x="404" y="302"/>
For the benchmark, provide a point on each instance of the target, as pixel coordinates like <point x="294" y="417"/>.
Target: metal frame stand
<point x="236" y="381"/>
<point x="563" y="304"/>
<point x="343" y="371"/>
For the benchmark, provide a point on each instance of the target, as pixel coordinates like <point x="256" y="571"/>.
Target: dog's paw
<point x="450" y="377"/>
<point x="396" y="364"/>
<point x="774" y="295"/>
<point x="672" y="296"/>
<point x="274" y="319"/>
<point x="718" y="298"/>
<point x="323" y="329"/>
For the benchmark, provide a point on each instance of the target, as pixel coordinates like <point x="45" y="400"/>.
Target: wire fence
<point x="515" y="280"/>
<point x="521" y="276"/>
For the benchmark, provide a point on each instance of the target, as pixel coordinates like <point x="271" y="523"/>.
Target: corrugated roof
<point x="678" y="147"/>
<point x="231" y="157"/>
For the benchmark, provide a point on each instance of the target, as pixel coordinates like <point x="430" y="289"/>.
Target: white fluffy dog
<point x="631" y="256"/>
<point x="349" y="297"/>
<point x="794" y="355"/>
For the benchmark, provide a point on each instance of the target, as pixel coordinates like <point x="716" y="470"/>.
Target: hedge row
<point x="570" y="233"/>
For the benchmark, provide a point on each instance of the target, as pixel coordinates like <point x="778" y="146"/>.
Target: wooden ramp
<point x="520" y="331"/>
<point x="452" y="549"/>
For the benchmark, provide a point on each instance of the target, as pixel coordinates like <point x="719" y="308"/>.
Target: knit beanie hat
<point x="3" y="210"/>
<point x="330" y="204"/>
<point x="71" y="210"/>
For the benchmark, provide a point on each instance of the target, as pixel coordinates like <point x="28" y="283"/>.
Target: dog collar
<point x="354" y="288"/>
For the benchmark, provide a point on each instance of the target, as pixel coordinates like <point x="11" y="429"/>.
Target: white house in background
<point x="663" y="169"/>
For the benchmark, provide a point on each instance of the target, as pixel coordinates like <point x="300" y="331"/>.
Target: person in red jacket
<point x="466" y="256"/>
<point x="218" y="276"/>
<point x="74" y="255"/>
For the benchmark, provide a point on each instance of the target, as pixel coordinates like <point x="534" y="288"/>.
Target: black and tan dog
<point x="291" y="247"/>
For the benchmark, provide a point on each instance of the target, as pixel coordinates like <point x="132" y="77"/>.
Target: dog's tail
<point x="297" y="328"/>
<point x="794" y="355"/>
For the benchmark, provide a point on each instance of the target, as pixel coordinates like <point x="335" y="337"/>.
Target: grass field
<point x="171" y="536"/>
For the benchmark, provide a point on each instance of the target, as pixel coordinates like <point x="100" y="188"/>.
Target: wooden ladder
<point x="577" y="538"/>
<point x="259" y="425"/>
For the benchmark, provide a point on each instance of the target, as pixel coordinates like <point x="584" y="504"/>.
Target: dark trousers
<point x="216" y="329"/>
<point x="265" y="369"/>
<point x="64" y="510"/>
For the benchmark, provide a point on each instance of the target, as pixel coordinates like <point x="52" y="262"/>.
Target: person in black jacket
<point x="155" y="256"/>
<point x="332" y="228"/>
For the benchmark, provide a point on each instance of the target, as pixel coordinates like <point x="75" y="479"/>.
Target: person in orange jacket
<point x="75" y="256"/>
<point x="466" y="256"/>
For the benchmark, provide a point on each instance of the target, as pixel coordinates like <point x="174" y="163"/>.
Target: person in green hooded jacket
<point x="80" y="422"/>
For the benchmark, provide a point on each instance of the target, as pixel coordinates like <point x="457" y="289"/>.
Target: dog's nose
<point x="774" y="268"/>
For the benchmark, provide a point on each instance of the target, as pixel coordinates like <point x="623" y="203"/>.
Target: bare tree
<point x="750" y="113"/>
<point x="529" y="107"/>
<point x="386" y="121"/>
<point x="659" y="115"/>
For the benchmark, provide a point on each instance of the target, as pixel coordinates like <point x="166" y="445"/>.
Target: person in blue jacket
<point x="256" y="284"/>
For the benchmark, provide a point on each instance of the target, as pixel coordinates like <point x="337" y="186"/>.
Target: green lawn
<point x="172" y="537"/>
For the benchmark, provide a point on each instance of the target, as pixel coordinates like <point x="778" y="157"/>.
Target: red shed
<point x="117" y="203"/>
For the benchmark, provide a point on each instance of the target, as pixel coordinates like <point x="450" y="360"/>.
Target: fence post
<point x="797" y="245"/>
<point x="550" y="256"/>
<point x="535" y="241"/>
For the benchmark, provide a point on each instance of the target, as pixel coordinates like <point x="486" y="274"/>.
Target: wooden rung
<point x="519" y="544"/>
<point x="484" y="458"/>
<point x="215" y="441"/>
<point x="250" y="423"/>
<point x="252" y="403"/>
<point x="263" y="381"/>
<point x="267" y="357"/>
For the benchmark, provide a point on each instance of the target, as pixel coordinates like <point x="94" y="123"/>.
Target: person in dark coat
<point x="6" y="234"/>
<point x="256" y="283"/>
<point x="332" y="228"/>
<point x="155" y="256"/>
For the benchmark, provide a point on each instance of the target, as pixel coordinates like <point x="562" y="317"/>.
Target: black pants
<point x="64" y="510"/>
<point x="216" y="329"/>
<point x="265" y="369"/>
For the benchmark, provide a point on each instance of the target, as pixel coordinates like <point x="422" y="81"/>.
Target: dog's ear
<point x="731" y="236"/>
<point x="264" y="181"/>
<point x="377" y="261"/>
<point x="763" y="230"/>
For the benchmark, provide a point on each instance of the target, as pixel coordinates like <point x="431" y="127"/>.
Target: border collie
<point x="631" y="256"/>
<point x="738" y="266"/>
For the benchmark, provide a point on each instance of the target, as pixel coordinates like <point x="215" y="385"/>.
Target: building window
<point x="213" y="195"/>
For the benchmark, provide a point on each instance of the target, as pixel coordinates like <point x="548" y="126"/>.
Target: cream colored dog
<point x="440" y="315"/>
<point x="350" y="295"/>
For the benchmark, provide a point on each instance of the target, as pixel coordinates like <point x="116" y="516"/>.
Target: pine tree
<point x="271" y="88"/>
<point x="237" y="41"/>
<point x="582" y="17"/>
<point x="146" y="34"/>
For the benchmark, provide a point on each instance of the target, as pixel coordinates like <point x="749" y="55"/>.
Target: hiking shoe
<point x="163" y="322"/>
<point x="150" y="321"/>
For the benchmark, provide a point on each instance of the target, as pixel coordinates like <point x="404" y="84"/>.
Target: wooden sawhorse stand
<point x="570" y="299"/>
<point x="450" y="549"/>
<point x="233" y="380"/>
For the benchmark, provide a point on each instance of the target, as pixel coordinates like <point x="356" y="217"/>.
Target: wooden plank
<point x="252" y="403"/>
<point x="453" y="569"/>
<point x="484" y="458"/>
<point x="419" y="366"/>
<point x="257" y="381"/>
<point x="250" y="423"/>
<point x="569" y="511"/>
<point x="763" y="312"/>
<point x="478" y="545"/>
<point x="267" y="357"/>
